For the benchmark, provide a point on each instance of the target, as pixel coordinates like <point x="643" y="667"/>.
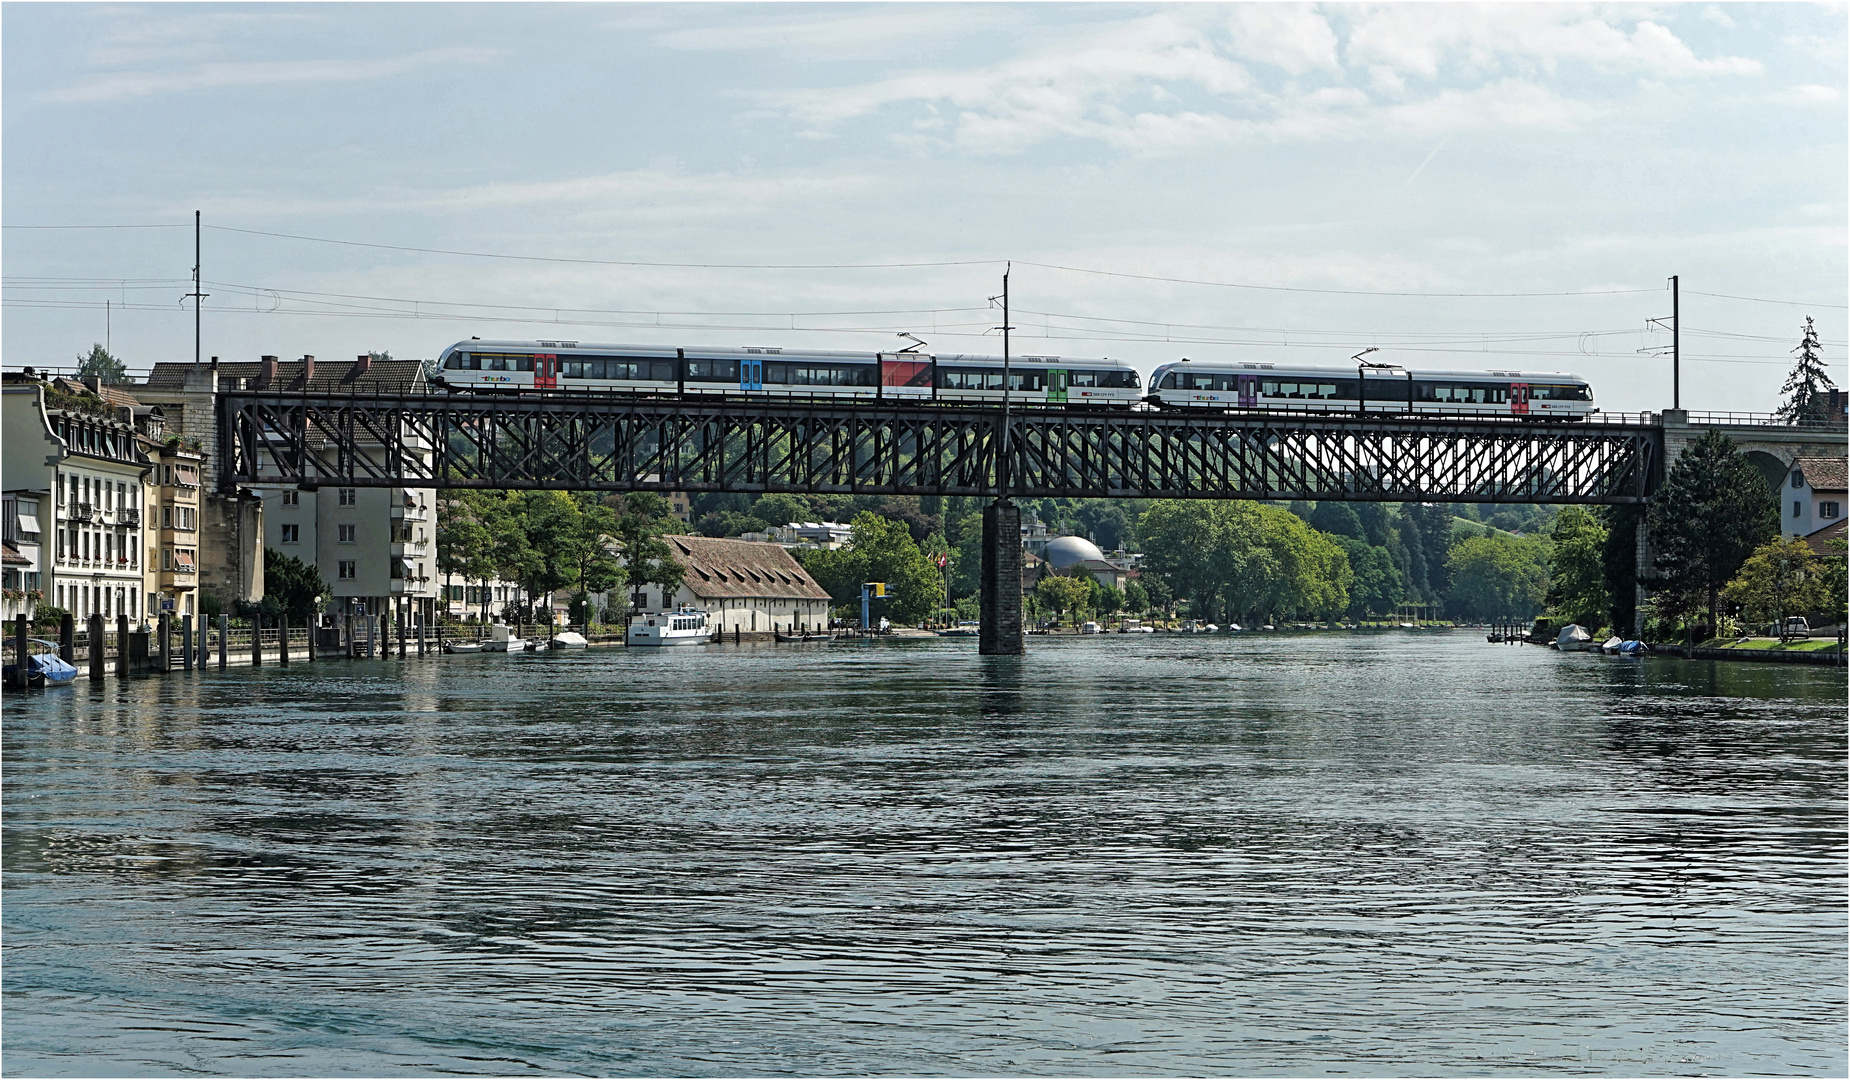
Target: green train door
<point x="1056" y="386"/>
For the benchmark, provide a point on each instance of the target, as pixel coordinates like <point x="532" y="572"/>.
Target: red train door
<point x="545" y="371"/>
<point x="1519" y="399"/>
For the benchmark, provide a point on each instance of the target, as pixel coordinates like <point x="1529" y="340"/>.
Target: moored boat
<point x="566" y="640"/>
<point x="684" y="626"/>
<point x="501" y="638"/>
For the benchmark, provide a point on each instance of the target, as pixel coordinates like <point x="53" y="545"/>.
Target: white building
<point x="1814" y="495"/>
<point x="70" y="449"/>
<point x="746" y="588"/>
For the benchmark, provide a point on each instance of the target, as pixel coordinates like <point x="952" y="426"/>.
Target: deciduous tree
<point x="1782" y="577"/>
<point x="99" y="363"/>
<point x="1576" y="570"/>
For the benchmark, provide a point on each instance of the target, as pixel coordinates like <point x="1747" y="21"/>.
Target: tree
<point x="1377" y="585"/>
<point x="1782" y="577"/>
<point x="99" y="363"/>
<point x="1136" y="598"/>
<point x="881" y="550"/>
<point x="1576" y="569"/>
<point x="297" y="587"/>
<point x="463" y="541"/>
<point x="1498" y="576"/>
<point x="1805" y="388"/>
<point x="642" y="520"/>
<point x="1337" y="519"/>
<point x="1242" y="559"/>
<point x="1064" y="594"/>
<point x="1713" y="510"/>
<point x="780" y="508"/>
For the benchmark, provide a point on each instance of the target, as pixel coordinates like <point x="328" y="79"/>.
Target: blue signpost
<point x="871" y="590"/>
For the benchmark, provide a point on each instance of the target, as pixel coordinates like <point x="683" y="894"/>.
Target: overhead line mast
<point x="198" y="297"/>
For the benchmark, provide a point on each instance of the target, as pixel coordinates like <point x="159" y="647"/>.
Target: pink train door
<point x="1519" y="399"/>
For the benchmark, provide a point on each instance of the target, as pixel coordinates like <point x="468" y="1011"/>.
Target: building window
<point x="292" y="498"/>
<point x="292" y="533"/>
<point x="166" y="558"/>
<point x="346" y="496"/>
<point x="1798" y="478"/>
<point x="1827" y="509"/>
<point x="347" y="570"/>
<point x="345" y="533"/>
<point x="1797" y="508"/>
<point x="166" y="517"/>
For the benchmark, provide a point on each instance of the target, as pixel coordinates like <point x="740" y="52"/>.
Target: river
<point x="1400" y="853"/>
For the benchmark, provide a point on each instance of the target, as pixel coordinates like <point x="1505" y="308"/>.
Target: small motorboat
<point x="564" y="642"/>
<point x="464" y="647"/>
<point x="1573" y="638"/>
<point x="1633" y="648"/>
<point x="1090" y="628"/>
<point x="501" y="638"/>
<point x="802" y="638"/>
<point x="967" y="628"/>
<point x="45" y="667"/>
<point x="1611" y="645"/>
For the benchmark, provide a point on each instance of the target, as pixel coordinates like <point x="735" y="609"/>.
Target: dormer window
<point x="1798" y="479"/>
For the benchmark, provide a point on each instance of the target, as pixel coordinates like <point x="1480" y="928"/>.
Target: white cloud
<point x="1808" y="94"/>
<point x="122" y="85"/>
<point x="899" y="29"/>
<point x="1292" y="37"/>
<point x="1071" y="87"/>
<point x="1420" y="39"/>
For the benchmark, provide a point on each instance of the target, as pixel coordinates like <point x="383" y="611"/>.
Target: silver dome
<point x="1064" y="551"/>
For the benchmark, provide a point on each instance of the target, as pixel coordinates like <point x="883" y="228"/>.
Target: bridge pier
<point x="1000" y="631"/>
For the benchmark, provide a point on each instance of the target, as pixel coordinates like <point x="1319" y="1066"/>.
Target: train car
<point x="1526" y="395"/>
<point x="537" y="366"/>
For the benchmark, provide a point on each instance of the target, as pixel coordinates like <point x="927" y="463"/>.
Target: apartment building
<point x="375" y="547"/>
<point x="19" y="554"/>
<point x="175" y="516"/>
<point x="71" y="448"/>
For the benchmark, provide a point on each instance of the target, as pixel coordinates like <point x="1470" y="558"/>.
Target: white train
<point x="1529" y="395"/>
<point x="772" y="372"/>
<point x="523" y="366"/>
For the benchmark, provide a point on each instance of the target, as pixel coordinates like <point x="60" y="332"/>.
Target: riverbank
<point x="1816" y="651"/>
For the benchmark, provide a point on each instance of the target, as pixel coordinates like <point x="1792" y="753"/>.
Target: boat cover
<point x="1573" y="635"/>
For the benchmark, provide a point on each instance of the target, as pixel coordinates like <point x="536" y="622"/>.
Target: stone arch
<point x="1771" y="467"/>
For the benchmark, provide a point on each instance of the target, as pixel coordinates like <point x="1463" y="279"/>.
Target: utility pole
<point x="1676" y="352"/>
<point x="1003" y="476"/>
<point x="198" y="297"/>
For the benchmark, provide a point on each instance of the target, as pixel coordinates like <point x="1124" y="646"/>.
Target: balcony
<point x="177" y="579"/>
<point x="416" y="549"/>
<point x="82" y="512"/>
<point x="131" y="518"/>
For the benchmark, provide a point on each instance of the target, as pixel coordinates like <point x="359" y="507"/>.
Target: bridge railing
<point x="1753" y="419"/>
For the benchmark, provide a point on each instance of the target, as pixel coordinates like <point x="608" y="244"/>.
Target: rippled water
<point x="1379" y="855"/>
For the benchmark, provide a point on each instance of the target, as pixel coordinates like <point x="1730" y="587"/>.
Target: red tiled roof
<point x="1816" y="540"/>
<point x="1823" y="473"/>
<point x="10" y="555"/>
<point x="741" y="568"/>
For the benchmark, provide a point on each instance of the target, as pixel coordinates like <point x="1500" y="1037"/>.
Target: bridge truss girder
<point x="604" y="443"/>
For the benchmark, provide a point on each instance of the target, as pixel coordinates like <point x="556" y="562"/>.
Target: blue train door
<point x="751" y="374"/>
<point x="1249" y="390"/>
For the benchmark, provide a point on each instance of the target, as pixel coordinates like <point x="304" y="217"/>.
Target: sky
<point x="1459" y="186"/>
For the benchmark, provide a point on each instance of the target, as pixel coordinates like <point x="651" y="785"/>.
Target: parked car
<point x="1796" y="626"/>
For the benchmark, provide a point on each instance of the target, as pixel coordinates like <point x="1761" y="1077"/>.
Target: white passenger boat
<point x="686" y="626"/>
<point x="566" y="640"/>
<point x="501" y="638"/>
<point x="1090" y="628"/>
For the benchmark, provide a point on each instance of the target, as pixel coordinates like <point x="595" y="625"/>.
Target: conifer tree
<point x="1712" y="512"/>
<point x="1806" y="387"/>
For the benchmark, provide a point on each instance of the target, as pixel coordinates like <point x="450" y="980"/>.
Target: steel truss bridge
<point x="624" y="443"/>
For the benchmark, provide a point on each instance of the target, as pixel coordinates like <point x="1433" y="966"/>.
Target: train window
<point x="494" y="363"/>
<point x="662" y="370"/>
<point x="1269" y="389"/>
<point x="777" y="373"/>
<point x="712" y="370"/>
<point x="571" y="369"/>
<point x="1169" y="381"/>
<point x="1029" y="379"/>
<point x="523" y="363"/>
<point x="1077" y="379"/>
<point x="1117" y="380"/>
